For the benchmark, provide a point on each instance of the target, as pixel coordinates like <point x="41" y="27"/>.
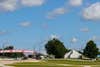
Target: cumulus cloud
<point x="25" y="24"/>
<point x="96" y="38"/>
<point x="2" y="32"/>
<point x="54" y="36"/>
<point x="75" y="2"/>
<point x="32" y="2"/>
<point x="74" y="40"/>
<point x="56" y="12"/>
<point x="8" y="5"/>
<point x="84" y="29"/>
<point x="92" y="12"/>
<point x="11" y="5"/>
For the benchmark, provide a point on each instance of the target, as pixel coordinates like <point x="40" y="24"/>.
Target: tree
<point x="99" y="53"/>
<point x="11" y="55"/>
<point x="91" y="50"/>
<point x="9" y="48"/>
<point x="17" y="55"/>
<point x="55" y="47"/>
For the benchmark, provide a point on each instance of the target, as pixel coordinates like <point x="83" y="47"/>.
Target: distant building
<point x="73" y="54"/>
<point x="18" y="51"/>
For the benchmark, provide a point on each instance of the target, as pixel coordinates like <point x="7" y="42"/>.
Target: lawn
<point x="58" y="63"/>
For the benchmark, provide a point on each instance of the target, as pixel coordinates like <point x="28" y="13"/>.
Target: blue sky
<point x="28" y="24"/>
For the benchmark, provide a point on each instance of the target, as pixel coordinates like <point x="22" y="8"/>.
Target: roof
<point x="72" y="54"/>
<point x="19" y="51"/>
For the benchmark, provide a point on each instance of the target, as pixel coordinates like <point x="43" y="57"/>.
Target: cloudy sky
<point x="28" y="24"/>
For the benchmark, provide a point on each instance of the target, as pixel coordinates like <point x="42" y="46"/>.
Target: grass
<point x="58" y="63"/>
<point x="75" y="62"/>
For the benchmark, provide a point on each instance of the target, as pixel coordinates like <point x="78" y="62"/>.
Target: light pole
<point x="3" y="46"/>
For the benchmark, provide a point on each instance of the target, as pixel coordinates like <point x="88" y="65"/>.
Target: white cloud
<point x="8" y="5"/>
<point x="54" y="36"/>
<point x="32" y="2"/>
<point x="2" y="32"/>
<point x="75" y="2"/>
<point x="25" y="24"/>
<point x="92" y="12"/>
<point x="56" y="12"/>
<point x="96" y="38"/>
<point x="84" y="29"/>
<point x="74" y="40"/>
<point x="11" y="5"/>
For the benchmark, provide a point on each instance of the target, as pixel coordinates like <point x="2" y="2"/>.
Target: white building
<point x="73" y="54"/>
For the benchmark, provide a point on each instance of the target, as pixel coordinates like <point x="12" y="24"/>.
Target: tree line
<point x="11" y="55"/>
<point x="56" y="47"/>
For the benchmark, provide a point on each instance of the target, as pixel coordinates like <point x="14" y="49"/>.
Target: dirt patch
<point x="17" y="61"/>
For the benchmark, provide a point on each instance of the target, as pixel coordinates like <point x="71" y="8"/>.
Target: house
<point x="73" y="54"/>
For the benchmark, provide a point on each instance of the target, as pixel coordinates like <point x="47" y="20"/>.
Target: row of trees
<point x="11" y="55"/>
<point x="56" y="47"/>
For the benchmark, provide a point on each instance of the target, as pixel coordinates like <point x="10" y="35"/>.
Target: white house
<point x="73" y="54"/>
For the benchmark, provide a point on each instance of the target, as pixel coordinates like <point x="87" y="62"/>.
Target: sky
<point x="29" y="24"/>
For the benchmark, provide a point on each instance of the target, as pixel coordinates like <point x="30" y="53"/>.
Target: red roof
<point x="19" y="51"/>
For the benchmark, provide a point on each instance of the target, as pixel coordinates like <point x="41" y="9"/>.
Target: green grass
<point x="75" y="62"/>
<point x="58" y="63"/>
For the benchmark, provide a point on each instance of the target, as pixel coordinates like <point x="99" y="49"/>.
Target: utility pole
<point x="3" y="46"/>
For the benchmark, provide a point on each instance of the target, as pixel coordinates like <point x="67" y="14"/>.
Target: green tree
<point x="99" y="53"/>
<point x="55" y="47"/>
<point x="9" y="48"/>
<point x="11" y="55"/>
<point x="17" y="55"/>
<point x="91" y="50"/>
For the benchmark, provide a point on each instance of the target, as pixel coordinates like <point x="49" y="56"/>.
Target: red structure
<point x="16" y="51"/>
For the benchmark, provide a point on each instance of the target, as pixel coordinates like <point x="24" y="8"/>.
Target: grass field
<point x="59" y="63"/>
